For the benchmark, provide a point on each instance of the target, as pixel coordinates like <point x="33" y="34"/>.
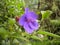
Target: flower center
<point x="28" y="20"/>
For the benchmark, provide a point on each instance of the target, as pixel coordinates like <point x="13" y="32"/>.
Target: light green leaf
<point x="48" y="33"/>
<point x="46" y="14"/>
<point x="11" y="21"/>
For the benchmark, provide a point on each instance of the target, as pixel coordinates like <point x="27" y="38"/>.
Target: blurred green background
<point x="49" y="19"/>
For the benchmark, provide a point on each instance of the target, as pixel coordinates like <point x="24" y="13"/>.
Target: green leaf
<point x="48" y="33"/>
<point x="11" y="21"/>
<point x="3" y="33"/>
<point x="35" y="37"/>
<point x="46" y="14"/>
<point x="55" y="22"/>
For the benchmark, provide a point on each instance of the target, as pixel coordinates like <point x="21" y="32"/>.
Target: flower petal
<point x="26" y="10"/>
<point x="32" y="15"/>
<point x="27" y="28"/>
<point x="22" y="20"/>
<point x="34" y="25"/>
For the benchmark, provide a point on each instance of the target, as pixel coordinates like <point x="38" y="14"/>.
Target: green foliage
<point x="46" y="14"/>
<point x="15" y="7"/>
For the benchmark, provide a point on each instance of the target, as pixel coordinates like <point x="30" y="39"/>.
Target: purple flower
<point x="28" y="21"/>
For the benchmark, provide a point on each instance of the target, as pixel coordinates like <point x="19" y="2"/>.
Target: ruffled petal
<point x="22" y="20"/>
<point x="27" y="28"/>
<point x="34" y="25"/>
<point x="32" y="15"/>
